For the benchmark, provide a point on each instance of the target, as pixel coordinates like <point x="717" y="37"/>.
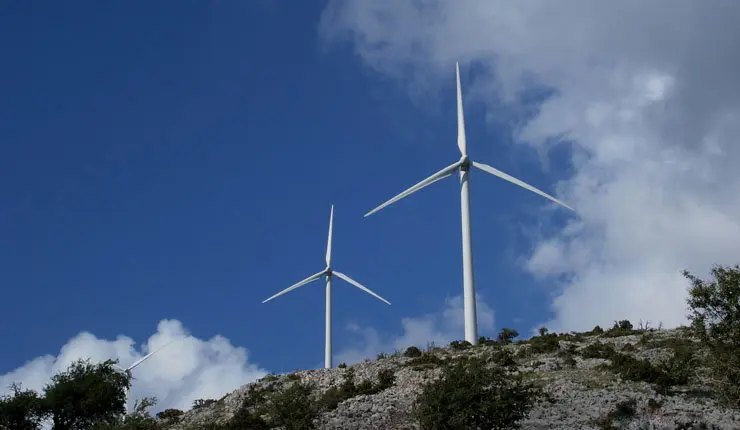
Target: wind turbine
<point x="127" y="371"/>
<point x="463" y="165"/>
<point x="329" y="273"/>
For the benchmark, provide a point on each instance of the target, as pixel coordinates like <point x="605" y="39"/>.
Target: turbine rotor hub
<point x="328" y="271"/>
<point x="465" y="163"/>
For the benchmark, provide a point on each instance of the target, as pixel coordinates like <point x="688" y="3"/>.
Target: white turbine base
<point x="327" y="344"/>
<point x="471" y="320"/>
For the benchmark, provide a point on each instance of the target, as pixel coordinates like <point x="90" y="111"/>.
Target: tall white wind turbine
<point x="463" y="165"/>
<point x="329" y="273"/>
<point x="127" y="371"/>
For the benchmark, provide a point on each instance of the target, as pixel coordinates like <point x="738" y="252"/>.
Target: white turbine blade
<point x="513" y="180"/>
<point x="294" y="286"/>
<point x="146" y="357"/>
<point x="360" y="286"/>
<point x="447" y="171"/>
<point x="328" y="242"/>
<point x="118" y="368"/>
<point x="460" y="119"/>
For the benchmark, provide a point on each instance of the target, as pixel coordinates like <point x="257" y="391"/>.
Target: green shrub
<point x="678" y="370"/>
<point x="621" y="328"/>
<point x="458" y="345"/>
<point x="386" y="378"/>
<point x="544" y="344"/>
<point x="507" y="335"/>
<point x="598" y="350"/>
<point x="202" y="403"/>
<point x="412" y="352"/>
<point x="628" y="347"/>
<point x="715" y="320"/>
<point x="486" y="341"/>
<point x="503" y="358"/>
<point x="86" y="394"/>
<point x="292" y="408"/>
<point x="425" y="361"/>
<point x="170" y="416"/>
<point x="23" y="410"/>
<point x="623" y="413"/>
<point x="569" y="361"/>
<point x="248" y="416"/>
<point x="342" y="365"/>
<point x="471" y="395"/>
<point x="348" y="389"/>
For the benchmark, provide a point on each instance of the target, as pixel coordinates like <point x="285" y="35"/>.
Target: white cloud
<point x="648" y="91"/>
<point x="186" y="370"/>
<point x="440" y="327"/>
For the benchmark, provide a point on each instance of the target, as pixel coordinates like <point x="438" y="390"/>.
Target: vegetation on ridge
<point x="490" y="385"/>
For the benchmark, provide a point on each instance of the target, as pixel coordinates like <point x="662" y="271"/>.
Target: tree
<point x="86" y="395"/>
<point x="24" y="410"/>
<point x="715" y="319"/>
<point x="471" y="395"/>
<point x="170" y="416"/>
<point x="507" y="335"/>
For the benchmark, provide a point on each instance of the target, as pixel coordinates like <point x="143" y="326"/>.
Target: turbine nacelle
<point x="465" y="163"/>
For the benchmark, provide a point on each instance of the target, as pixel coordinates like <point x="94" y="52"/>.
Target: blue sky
<point x="180" y="163"/>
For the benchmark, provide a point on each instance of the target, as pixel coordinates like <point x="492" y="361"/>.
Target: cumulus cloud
<point x="187" y="369"/>
<point x="440" y="328"/>
<point x="645" y="97"/>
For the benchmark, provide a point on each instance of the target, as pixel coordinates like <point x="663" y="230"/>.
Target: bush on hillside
<point x="506" y="335"/>
<point x="85" y="395"/>
<point x="486" y="341"/>
<point x="22" y="410"/>
<point x="412" y="352"/>
<point x="139" y="419"/>
<point x="621" y="328"/>
<point x="203" y="403"/>
<point x="472" y="395"/>
<point x="545" y="343"/>
<point x="460" y="345"/>
<point x="170" y="416"/>
<point x="715" y="320"/>
<point x="292" y="408"/>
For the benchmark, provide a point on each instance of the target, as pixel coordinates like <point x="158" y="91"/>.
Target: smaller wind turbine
<point x="127" y="371"/>
<point x="328" y="272"/>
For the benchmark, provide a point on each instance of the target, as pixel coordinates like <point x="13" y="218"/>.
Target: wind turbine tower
<point x="329" y="273"/>
<point x="463" y="165"/>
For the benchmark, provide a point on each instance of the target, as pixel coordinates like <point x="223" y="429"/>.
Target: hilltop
<point x="618" y="378"/>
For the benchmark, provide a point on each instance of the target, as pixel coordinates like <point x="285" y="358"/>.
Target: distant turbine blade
<point x="360" y="286"/>
<point x="294" y="286"/>
<point x="328" y="242"/>
<point x="460" y="119"/>
<point x="118" y="368"/>
<point x="146" y="357"/>
<point x="447" y="171"/>
<point x="513" y="180"/>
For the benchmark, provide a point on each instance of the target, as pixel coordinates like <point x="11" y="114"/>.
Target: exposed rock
<point x="581" y="391"/>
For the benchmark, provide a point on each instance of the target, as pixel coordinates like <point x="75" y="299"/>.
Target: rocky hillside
<point x="621" y="378"/>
